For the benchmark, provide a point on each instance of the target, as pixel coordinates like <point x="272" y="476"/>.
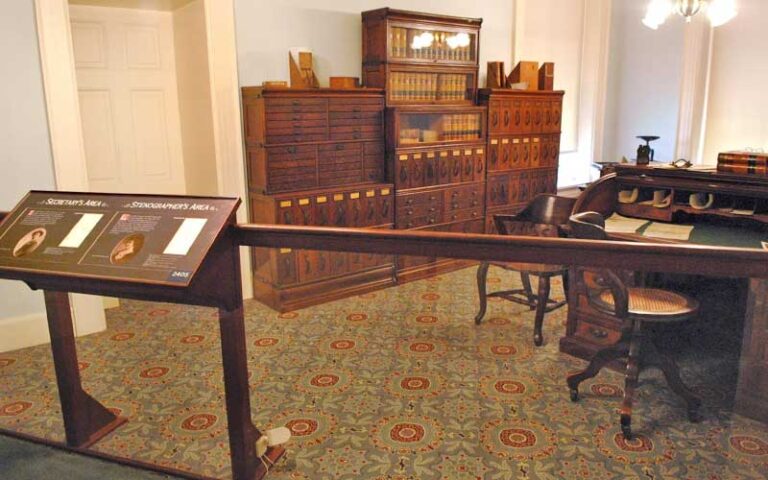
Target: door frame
<point x="65" y="128"/>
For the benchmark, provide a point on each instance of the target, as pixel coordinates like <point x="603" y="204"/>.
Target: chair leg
<point x="526" y="279"/>
<point x="599" y="360"/>
<point x="482" y="274"/>
<point x="630" y="379"/>
<point x="565" y="284"/>
<point x="541" y="308"/>
<point x="671" y="371"/>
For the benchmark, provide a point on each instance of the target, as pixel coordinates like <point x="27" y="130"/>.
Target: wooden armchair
<point x="542" y="217"/>
<point x="633" y="307"/>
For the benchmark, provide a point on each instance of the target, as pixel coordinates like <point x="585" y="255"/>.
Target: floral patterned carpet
<point x="399" y="384"/>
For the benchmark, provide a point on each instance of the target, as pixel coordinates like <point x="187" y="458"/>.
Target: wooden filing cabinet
<point x="523" y="147"/>
<point x="317" y="158"/>
<point x="437" y="163"/>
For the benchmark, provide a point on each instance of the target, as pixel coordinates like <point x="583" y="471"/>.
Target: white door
<point x="126" y="78"/>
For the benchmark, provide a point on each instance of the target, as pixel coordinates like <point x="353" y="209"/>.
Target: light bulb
<point x="657" y="13"/>
<point x="721" y="11"/>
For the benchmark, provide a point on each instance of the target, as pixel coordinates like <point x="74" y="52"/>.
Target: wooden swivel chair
<point x="634" y="307"/>
<point x="542" y="217"/>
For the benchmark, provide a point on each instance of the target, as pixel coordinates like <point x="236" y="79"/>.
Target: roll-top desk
<point x="732" y="212"/>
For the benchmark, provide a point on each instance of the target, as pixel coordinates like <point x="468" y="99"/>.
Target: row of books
<point x="415" y="87"/>
<point x="461" y="126"/>
<point x="750" y="163"/>
<point x="420" y="44"/>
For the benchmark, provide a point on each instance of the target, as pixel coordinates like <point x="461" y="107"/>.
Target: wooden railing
<point x="683" y="258"/>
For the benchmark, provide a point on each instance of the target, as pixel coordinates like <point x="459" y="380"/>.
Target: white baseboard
<point x="23" y="331"/>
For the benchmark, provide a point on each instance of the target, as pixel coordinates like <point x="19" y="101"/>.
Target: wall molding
<point x="590" y="86"/>
<point x="67" y="148"/>
<point x="227" y="117"/>
<point x="24" y="331"/>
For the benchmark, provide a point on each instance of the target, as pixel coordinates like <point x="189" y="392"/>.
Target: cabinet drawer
<point x="596" y="333"/>
<point x="417" y="222"/>
<point x="459" y="198"/>
<point x="462" y="215"/>
<point x="286" y="266"/>
<point x="337" y="106"/>
<point x="294" y="102"/>
<point x="472" y="226"/>
<point x="358" y="101"/>
<point x="356" y="132"/>
<point x="296" y="138"/>
<point x="497" y="192"/>
<point x="279" y="182"/>
<point x="296" y="134"/>
<point x="358" y="119"/>
<point x="419" y="205"/>
<point x="283" y="127"/>
<point x="296" y="109"/>
<point x="294" y="117"/>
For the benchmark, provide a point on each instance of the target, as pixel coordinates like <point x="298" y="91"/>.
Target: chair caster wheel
<point x="538" y="340"/>
<point x="574" y="395"/>
<point x="694" y="416"/>
<point x="626" y="427"/>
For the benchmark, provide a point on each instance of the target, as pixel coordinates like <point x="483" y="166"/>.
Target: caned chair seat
<point x="652" y="304"/>
<point x="530" y="267"/>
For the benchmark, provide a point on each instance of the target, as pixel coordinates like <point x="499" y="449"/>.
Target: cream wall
<point x="574" y="34"/>
<point x="332" y="30"/>
<point x="644" y="78"/>
<point x="737" y="116"/>
<point x="194" y="91"/>
<point x="25" y="156"/>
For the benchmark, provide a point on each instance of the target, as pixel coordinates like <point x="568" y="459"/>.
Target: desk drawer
<point x="596" y="333"/>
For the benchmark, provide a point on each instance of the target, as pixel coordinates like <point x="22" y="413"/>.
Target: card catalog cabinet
<point x="523" y="147"/>
<point x="317" y="158"/>
<point x="421" y="58"/>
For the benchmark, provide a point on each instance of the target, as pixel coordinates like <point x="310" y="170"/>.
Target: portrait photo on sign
<point x="126" y="249"/>
<point x="29" y="242"/>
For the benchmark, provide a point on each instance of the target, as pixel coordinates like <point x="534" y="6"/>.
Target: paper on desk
<point x="669" y="231"/>
<point x="618" y="224"/>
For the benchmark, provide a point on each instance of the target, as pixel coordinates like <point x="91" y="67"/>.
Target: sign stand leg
<point x="246" y="464"/>
<point x="85" y="419"/>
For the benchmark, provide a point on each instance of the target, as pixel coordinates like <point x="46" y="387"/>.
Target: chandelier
<point x="718" y="11"/>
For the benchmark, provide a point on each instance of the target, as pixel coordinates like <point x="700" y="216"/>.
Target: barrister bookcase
<point x="437" y="160"/>
<point x="523" y="147"/>
<point x="317" y="157"/>
<point x="421" y="58"/>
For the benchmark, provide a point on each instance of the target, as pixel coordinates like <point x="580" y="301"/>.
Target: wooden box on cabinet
<point x="421" y="58"/>
<point x="523" y="146"/>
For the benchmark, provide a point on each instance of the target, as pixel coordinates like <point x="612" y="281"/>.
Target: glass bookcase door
<point x="420" y="44"/>
<point x="426" y="87"/>
<point x="426" y="128"/>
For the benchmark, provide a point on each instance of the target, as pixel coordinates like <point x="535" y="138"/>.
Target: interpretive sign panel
<point x="135" y="238"/>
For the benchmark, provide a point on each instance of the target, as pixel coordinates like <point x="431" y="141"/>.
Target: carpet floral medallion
<point x="399" y="384"/>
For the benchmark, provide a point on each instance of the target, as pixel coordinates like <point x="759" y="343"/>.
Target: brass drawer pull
<point x="598" y="333"/>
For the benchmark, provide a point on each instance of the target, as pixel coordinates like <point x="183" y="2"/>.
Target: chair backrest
<point x="548" y="209"/>
<point x="588" y="225"/>
<point x="545" y="214"/>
